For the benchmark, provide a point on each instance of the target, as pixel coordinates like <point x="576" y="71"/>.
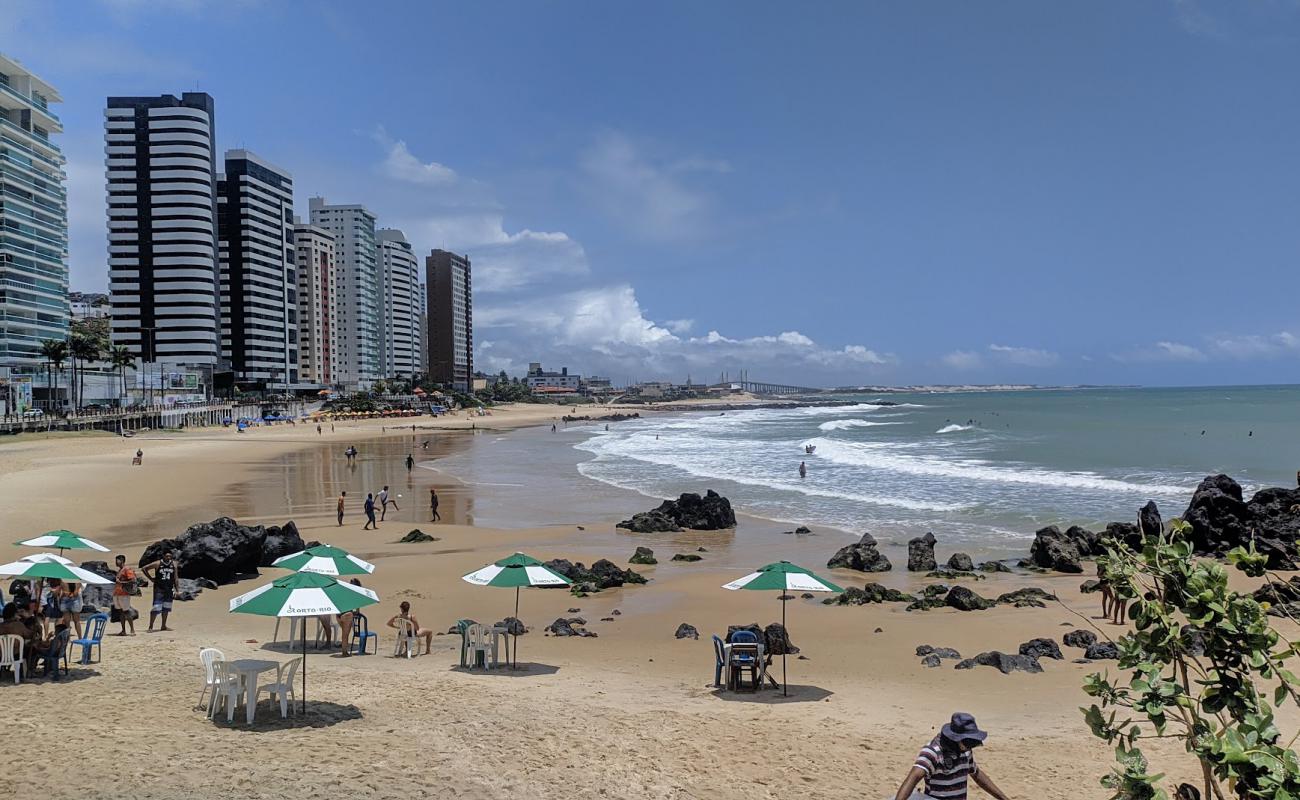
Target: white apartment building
<point x="33" y="221"/>
<point x="162" y="248"/>
<point x="317" y="282"/>
<point x="257" y="287"/>
<point x="401" y="340"/>
<point x="357" y="295"/>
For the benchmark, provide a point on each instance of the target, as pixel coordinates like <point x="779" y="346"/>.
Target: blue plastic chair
<point x="742" y="661"/>
<point x="361" y="634"/>
<point x="58" y="652"/>
<point x="94" y="638"/>
<point x="720" y="654"/>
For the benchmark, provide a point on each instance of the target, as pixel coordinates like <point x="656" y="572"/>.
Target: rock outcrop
<point x="572" y="626"/>
<point x="1006" y="664"/>
<point x="603" y="574"/>
<point x="1053" y="549"/>
<point x="712" y="512"/>
<point x="920" y="554"/>
<point x="1101" y="651"/>
<point x="1079" y="638"/>
<point x="223" y="550"/>
<point x="940" y="652"/>
<point x="871" y="593"/>
<point x="643" y="555"/>
<point x="862" y="556"/>
<point x="960" y="562"/>
<point x="1041" y="648"/>
<point x="687" y="557"/>
<point x="685" y="631"/>
<point x="963" y="599"/>
<point x="1222" y="520"/>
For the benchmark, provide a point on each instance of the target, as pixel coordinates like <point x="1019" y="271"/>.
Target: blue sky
<point x="829" y="193"/>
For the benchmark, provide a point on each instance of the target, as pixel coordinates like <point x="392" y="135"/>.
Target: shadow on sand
<point x="319" y="714"/>
<point x="770" y="696"/>
<point x="523" y="670"/>
<point x="77" y="672"/>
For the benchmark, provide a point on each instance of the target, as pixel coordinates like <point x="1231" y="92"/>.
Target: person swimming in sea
<point x="803" y="469"/>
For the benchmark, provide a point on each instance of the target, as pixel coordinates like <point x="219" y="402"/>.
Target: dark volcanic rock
<point x="686" y="557"/>
<point x="711" y="512"/>
<point x="513" y="626"/>
<point x="223" y="549"/>
<point x="569" y="627"/>
<point x="1080" y="638"/>
<point x="1101" y="650"/>
<point x="685" y="631"/>
<point x="608" y="575"/>
<point x="871" y="593"/>
<point x="1041" y="648"/>
<point x="643" y="555"/>
<point x="1052" y="549"/>
<point x="1090" y="586"/>
<point x="604" y="574"/>
<point x="415" y="536"/>
<point x="1029" y="597"/>
<point x="940" y="652"/>
<point x="778" y="640"/>
<point x="862" y="556"/>
<point x="920" y="554"/>
<point x="1221" y="520"/>
<point x="1124" y="533"/>
<point x="1085" y="541"/>
<point x="963" y="599"/>
<point x="1149" y="519"/>
<point x="994" y="566"/>
<point x="931" y="660"/>
<point x="961" y="562"/>
<point x="1005" y="664"/>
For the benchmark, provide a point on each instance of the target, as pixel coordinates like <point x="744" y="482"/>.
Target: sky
<point x="832" y="193"/>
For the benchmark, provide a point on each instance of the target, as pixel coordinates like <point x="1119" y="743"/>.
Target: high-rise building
<point x="401" y="349"/>
<point x="356" y="295"/>
<point x="317" y="328"/>
<point x="258" y="285"/>
<point x="33" y="220"/>
<point x="450" y="311"/>
<point x="162" y="231"/>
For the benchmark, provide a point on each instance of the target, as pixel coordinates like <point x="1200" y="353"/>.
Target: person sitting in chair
<point x="420" y="633"/>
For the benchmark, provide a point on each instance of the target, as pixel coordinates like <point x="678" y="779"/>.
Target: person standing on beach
<point x="384" y="500"/>
<point x="342" y="497"/>
<point x="433" y="504"/>
<point x="946" y="763"/>
<point x="410" y="462"/>
<point x="318" y="432"/>
<point x="370" y="513"/>
<point x="166" y="577"/>
<point x="123" y="585"/>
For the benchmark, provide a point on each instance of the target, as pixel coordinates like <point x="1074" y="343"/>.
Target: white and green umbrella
<point x="45" y="565"/>
<point x="784" y="577"/>
<point x="325" y="560"/>
<point x="62" y="540"/>
<point x="516" y="572"/>
<point x="303" y="594"/>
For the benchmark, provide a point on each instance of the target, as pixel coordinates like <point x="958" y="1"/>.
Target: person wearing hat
<point x="946" y="763"/>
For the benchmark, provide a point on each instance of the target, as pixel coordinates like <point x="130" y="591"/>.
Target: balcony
<point x="36" y="102"/>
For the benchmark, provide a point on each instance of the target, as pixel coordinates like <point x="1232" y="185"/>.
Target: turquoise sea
<point x="984" y="469"/>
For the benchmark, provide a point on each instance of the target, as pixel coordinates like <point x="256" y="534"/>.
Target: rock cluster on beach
<point x="920" y="554"/>
<point x="863" y="556"/>
<point x="604" y="574"/>
<point x="223" y="550"/>
<point x="417" y="536"/>
<point x="572" y="626"/>
<point x="712" y="512"/>
<point x="643" y="555"/>
<point x="1221" y="520"/>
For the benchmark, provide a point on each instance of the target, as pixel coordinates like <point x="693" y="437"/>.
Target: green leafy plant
<point x="1205" y="668"/>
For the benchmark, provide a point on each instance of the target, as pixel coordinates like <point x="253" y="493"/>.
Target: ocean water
<point x="984" y="469"/>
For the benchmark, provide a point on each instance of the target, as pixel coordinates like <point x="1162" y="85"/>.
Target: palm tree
<point x="120" y="357"/>
<point x="55" y="352"/>
<point x="83" y="349"/>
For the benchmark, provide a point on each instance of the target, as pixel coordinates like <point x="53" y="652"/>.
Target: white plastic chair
<point x="209" y="656"/>
<point x="405" y="635"/>
<point x="478" y="639"/>
<point x="11" y="654"/>
<point x="294" y="631"/>
<point x="227" y="690"/>
<point x="282" y="689"/>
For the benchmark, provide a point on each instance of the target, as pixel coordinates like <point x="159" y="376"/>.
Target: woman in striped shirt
<point x="946" y="763"/>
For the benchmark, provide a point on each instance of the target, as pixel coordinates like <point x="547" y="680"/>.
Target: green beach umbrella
<point x="784" y="577"/>
<point x="516" y="572"/>
<point x="62" y="540"/>
<point x="325" y="560"/>
<point x="44" y="565"/>
<point x="303" y="594"/>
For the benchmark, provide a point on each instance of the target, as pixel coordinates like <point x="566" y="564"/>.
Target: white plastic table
<point x="249" y="669"/>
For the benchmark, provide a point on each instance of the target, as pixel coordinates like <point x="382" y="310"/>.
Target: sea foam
<point x="845" y="424"/>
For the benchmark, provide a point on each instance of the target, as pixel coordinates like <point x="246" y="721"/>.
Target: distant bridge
<point x="755" y="387"/>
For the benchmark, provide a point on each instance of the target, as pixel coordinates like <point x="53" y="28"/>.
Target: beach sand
<point x="631" y="713"/>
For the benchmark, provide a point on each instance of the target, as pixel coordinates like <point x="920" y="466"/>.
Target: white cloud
<point x="1024" y="356"/>
<point x="679" y="326"/>
<point x="963" y="359"/>
<point x="652" y="198"/>
<point x="401" y="165"/>
<point x="1245" y="348"/>
<point x="1162" y="352"/>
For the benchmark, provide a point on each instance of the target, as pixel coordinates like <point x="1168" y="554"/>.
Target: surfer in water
<point x="803" y="469"/>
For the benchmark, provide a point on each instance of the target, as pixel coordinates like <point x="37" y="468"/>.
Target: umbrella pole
<point x="785" y="683"/>
<point x="516" y="638"/>
<point x="304" y="664"/>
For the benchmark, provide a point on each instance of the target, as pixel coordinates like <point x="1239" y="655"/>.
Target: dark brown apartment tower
<point x="451" y="319"/>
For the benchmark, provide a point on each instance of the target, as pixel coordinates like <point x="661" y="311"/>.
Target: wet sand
<point x="631" y="713"/>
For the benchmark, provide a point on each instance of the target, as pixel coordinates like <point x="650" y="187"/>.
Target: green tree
<point x="120" y="357"/>
<point x="1200" y="660"/>
<point x="83" y="349"/>
<point x="55" y="353"/>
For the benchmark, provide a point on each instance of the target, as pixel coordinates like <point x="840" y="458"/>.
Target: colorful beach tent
<point x="784" y="577"/>
<point x="516" y="572"/>
<point x="303" y="594"/>
<point x="324" y="560"/>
